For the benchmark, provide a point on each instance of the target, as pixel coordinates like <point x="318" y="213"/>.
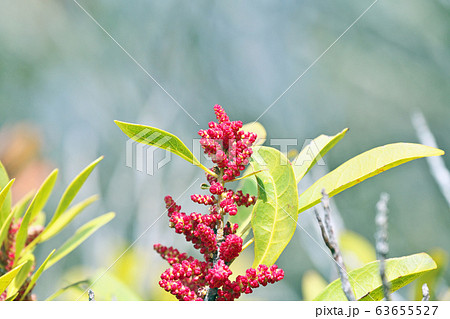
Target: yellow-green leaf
<point x="248" y="186"/>
<point x="363" y="166"/>
<point x="5" y="227"/>
<point x="65" y="219"/>
<point x="312" y="285"/>
<point x="22" y="275"/>
<point x="7" y="278"/>
<point x="20" y="207"/>
<point x="75" y="285"/>
<point x="356" y="250"/>
<point x="79" y="237"/>
<point x="432" y="278"/>
<point x="257" y="128"/>
<point x="5" y="197"/>
<point x="35" y="207"/>
<point x="152" y="136"/>
<point x="366" y="282"/>
<point x="315" y="150"/>
<point x="73" y="189"/>
<point x="110" y="287"/>
<point x="36" y="275"/>
<point x="274" y="216"/>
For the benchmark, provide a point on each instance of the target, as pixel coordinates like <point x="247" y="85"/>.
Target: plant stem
<point x="91" y="295"/>
<point x="425" y="292"/>
<point x="211" y="293"/>
<point x="329" y="239"/>
<point x="247" y="244"/>
<point x="382" y="246"/>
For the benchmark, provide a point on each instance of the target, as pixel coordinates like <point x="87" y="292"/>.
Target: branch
<point x="439" y="171"/>
<point x="211" y="293"/>
<point x="91" y="295"/>
<point x="330" y="241"/>
<point x="382" y="246"/>
<point x="425" y="292"/>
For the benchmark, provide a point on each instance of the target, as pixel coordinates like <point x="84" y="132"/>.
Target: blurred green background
<point x="64" y="80"/>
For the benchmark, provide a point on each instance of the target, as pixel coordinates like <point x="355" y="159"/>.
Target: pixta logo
<point x="139" y="155"/>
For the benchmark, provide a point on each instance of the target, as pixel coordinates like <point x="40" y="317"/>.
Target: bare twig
<point x="425" y="292"/>
<point x="439" y="171"/>
<point x="382" y="246"/>
<point x="330" y="241"/>
<point x="91" y="295"/>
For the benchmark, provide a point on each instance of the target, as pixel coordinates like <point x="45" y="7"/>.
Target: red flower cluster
<point x="8" y="254"/>
<point x="227" y="146"/>
<point x="191" y="279"/>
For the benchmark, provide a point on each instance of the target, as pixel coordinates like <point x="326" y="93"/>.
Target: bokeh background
<point x="63" y="81"/>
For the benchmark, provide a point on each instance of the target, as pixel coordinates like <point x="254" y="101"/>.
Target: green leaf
<point x="109" y="288"/>
<point x="7" y="278"/>
<point x="35" y="207"/>
<point x="11" y="298"/>
<point x="79" y="237"/>
<point x="152" y="136"/>
<point x="64" y="289"/>
<point x="363" y="166"/>
<point x="258" y="129"/>
<point x="432" y="278"/>
<point x="314" y="151"/>
<point x="22" y="275"/>
<point x="39" y="220"/>
<point x="65" y="219"/>
<point x="36" y="275"/>
<point x="5" y="203"/>
<point x="274" y="216"/>
<point x="312" y="285"/>
<point x="356" y="250"/>
<point x="73" y="189"/>
<point x="5" y="227"/>
<point x="248" y="186"/>
<point x="20" y="207"/>
<point x="366" y="282"/>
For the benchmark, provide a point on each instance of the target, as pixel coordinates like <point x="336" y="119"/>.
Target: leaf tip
<point x="98" y="160"/>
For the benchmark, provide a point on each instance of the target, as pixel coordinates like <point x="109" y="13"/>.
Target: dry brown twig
<point x="329" y="239"/>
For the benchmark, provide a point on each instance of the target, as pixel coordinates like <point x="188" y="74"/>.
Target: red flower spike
<point x="188" y="278"/>
<point x="230" y="248"/>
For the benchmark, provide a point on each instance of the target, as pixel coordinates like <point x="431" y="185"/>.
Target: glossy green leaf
<point x="366" y="282"/>
<point x="19" y="279"/>
<point x="64" y="289"/>
<point x="432" y="278"/>
<point x="152" y="136"/>
<point x="248" y="186"/>
<point x="37" y="204"/>
<point x="258" y="129"/>
<point x="274" y="216"/>
<point x="79" y="237"/>
<point x="110" y="288"/>
<point x="65" y="219"/>
<point x="312" y="285"/>
<point x="73" y="189"/>
<point x="4" y="193"/>
<point x="5" y="227"/>
<point x="39" y="220"/>
<point x="7" y="278"/>
<point x="314" y="151"/>
<point x="11" y="298"/>
<point x="36" y="275"/>
<point x="5" y="203"/>
<point x="356" y="250"/>
<point x="363" y="166"/>
<point x="21" y="206"/>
